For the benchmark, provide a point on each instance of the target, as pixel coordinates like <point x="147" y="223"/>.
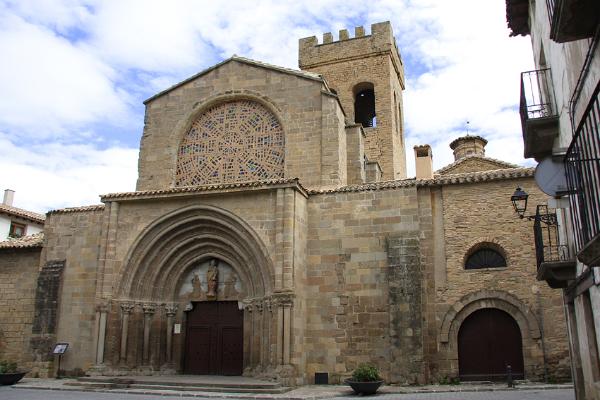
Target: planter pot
<point x="364" y="387"/>
<point x="12" y="378"/>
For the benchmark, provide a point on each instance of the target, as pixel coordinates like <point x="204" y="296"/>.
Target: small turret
<point x="468" y="145"/>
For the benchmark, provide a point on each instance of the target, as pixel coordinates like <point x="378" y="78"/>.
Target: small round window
<point x="485" y="258"/>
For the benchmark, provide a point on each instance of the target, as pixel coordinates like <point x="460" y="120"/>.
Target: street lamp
<point x="519" y="200"/>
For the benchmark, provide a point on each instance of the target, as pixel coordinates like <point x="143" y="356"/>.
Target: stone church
<point x="274" y="233"/>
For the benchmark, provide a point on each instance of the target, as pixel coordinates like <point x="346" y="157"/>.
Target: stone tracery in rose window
<point x="236" y="141"/>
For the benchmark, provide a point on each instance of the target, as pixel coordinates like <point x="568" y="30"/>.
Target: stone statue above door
<point x="210" y="280"/>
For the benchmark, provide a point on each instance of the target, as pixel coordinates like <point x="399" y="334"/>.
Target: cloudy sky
<point x="74" y="74"/>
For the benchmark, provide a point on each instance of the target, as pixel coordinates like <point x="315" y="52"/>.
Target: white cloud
<point x="71" y="65"/>
<point x="61" y="175"/>
<point x="49" y="85"/>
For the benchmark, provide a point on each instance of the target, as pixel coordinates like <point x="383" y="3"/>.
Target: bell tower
<point x="367" y="74"/>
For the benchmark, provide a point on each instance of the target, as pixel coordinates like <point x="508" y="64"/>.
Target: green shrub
<point x="366" y="373"/>
<point x="7" y="367"/>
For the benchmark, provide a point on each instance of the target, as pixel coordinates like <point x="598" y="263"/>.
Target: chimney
<point x="9" y="196"/>
<point x="423" y="162"/>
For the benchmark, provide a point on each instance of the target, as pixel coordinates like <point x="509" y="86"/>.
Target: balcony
<point x="555" y="265"/>
<point x="572" y="19"/>
<point x="539" y="118"/>
<point x="582" y="165"/>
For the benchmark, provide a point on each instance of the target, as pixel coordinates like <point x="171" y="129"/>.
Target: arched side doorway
<point x="489" y="340"/>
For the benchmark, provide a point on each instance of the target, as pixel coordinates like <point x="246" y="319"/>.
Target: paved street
<point x="8" y="393"/>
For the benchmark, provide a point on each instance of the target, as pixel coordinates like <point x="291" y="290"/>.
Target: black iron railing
<point x="537" y="96"/>
<point x="548" y="247"/>
<point x="582" y="164"/>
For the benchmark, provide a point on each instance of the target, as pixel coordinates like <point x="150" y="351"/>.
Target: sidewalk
<point x="309" y="392"/>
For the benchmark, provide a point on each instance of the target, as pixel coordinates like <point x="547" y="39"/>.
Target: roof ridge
<point x="471" y="156"/>
<point x="306" y="74"/>
<point x="21" y="212"/>
<point x="464" y="177"/>
<point x="204" y="188"/>
<point x="93" y="207"/>
<point x="29" y="241"/>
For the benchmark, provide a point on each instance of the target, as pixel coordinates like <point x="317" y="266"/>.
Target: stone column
<point x="261" y="333"/>
<point x="248" y="334"/>
<point x="284" y="303"/>
<point x="149" y="309"/>
<point x="171" y="310"/>
<point x="126" y="309"/>
<point x="101" y="313"/>
<point x="287" y="328"/>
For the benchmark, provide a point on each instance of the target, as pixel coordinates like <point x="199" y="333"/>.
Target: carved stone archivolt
<point x="234" y="141"/>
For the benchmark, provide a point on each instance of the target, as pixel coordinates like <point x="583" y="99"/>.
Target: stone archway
<point x="149" y="301"/>
<point x="496" y="299"/>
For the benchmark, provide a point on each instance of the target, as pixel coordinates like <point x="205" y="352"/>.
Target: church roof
<point x="204" y="188"/>
<point x="21" y="213"/>
<point x="24" y="242"/>
<point x="493" y="163"/>
<point x="440" y="180"/>
<point x="299" y="73"/>
<point x="95" y="207"/>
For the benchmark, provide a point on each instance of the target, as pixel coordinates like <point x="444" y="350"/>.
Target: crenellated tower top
<point x="366" y="73"/>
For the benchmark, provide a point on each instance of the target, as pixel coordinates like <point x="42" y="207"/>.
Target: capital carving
<point x="283" y="299"/>
<point x="171" y="309"/>
<point x="127" y="307"/>
<point x="149" y="308"/>
<point x="103" y="307"/>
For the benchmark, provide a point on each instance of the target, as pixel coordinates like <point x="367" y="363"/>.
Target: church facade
<point x="273" y="233"/>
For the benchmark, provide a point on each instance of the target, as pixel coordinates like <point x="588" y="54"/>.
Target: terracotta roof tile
<point x="31" y="241"/>
<point x="501" y="164"/>
<point x="453" y="179"/>
<point x="19" y="212"/>
<point x="96" y="207"/>
<point x="203" y="188"/>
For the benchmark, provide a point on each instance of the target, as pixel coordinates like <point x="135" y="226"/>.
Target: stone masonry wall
<point x="310" y="122"/>
<point x="18" y="278"/>
<point x="75" y="238"/>
<point x="474" y="164"/>
<point x="405" y="279"/>
<point x="45" y="320"/>
<point x="374" y="59"/>
<point x="482" y="212"/>
<point x="347" y="275"/>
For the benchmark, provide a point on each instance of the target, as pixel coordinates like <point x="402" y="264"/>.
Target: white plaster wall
<point x="565" y="61"/>
<point x="4" y="227"/>
<point x="32" y="229"/>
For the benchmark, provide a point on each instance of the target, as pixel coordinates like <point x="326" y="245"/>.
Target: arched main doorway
<point x="214" y="339"/>
<point x="488" y="341"/>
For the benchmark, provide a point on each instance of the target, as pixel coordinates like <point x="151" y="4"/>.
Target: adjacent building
<point x="560" y="112"/>
<point x="17" y="222"/>
<point x="274" y="233"/>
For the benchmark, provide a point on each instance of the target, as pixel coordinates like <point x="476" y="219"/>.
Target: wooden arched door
<point x="488" y="341"/>
<point x="214" y="339"/>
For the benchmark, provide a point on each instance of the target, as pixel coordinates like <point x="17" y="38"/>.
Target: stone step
<point x="181" y="384"/>
<point x="181" y="388"/>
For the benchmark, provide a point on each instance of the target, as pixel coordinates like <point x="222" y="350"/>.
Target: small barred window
<point x="485" y="258"/>
<point x="236" y="141"/>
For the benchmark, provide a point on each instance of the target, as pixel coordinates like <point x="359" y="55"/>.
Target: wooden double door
<point x="214" y="339"/>
<point x="488" y="341"/>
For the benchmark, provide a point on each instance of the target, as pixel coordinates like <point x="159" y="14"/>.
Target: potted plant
<point x="9" y="374"/>
<point x="365" y="379"/>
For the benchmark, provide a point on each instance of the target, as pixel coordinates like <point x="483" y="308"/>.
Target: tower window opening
<point x="364" y="105"/>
